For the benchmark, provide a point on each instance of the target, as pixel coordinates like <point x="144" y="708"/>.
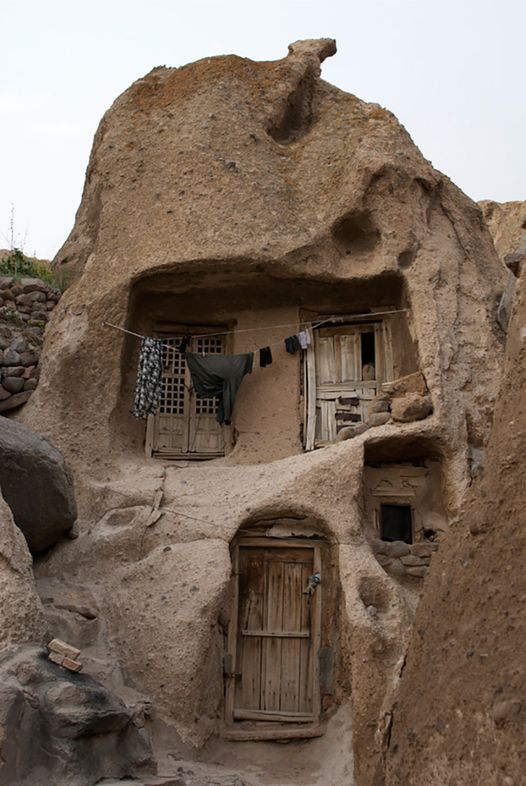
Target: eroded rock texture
<point x="57" y="727"/>
<point x="251" y="194"/>
<point x="461" y="713"/>
<point x="21" y="616"/>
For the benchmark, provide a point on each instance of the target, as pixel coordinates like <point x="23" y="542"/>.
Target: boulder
<point x="13" y="384"/>
<point x="378" y="419"/>
<point x="36" y="484"/>
<point x="411" y="383"/>
<point x="410" y="407"/>
<point x="348" y="432"/>
<point x="12" y="402"/>
<point x="63" y="728"/>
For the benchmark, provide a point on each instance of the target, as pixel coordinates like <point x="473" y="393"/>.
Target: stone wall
<point x="403" y="559"/>
<point x="25" y="308"/>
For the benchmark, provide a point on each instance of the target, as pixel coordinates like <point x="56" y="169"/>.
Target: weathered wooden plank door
<point x="276" y="637"/>
<point x="346" y="364"/>
<point x="185" y="426"/>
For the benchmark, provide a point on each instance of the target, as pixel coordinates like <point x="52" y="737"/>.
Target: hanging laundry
<point x="292" y="344"/>
<point x="149" y="376"/>
<point x="219" y="376"/>
<point x="304" y="339"/>
<point x="182" y="347"/>
<point x="265" y="357"/>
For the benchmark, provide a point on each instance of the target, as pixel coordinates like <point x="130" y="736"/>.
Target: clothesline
<point x="331" y="318"/>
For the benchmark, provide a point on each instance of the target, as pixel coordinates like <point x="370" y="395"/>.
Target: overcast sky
<point x="453" y="72"/>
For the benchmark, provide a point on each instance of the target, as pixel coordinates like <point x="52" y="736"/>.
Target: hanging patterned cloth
<point x="149" y="376"/>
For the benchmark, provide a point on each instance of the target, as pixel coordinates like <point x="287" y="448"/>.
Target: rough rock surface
<point x="236" y="173"/>
<point x="21" y="616"/>
<point x="63" y="728"/>
<point x="507" y="223"/>
<point x="461" y="712"/>
<point x="37" y="485"/>
<point x="233" y="182"/>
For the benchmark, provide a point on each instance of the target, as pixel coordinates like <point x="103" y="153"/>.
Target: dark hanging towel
<point x="292" y="344"/>
<point x="265" y="357"/>
<point x="220" y="376"/>
<point x="149" y="376"/>
<point x="183" y="345"/>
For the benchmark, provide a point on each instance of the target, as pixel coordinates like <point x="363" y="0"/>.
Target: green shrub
<point x="18" y="265"/>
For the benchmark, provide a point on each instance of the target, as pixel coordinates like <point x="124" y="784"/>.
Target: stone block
<point x="6" y="282"/>
<point x="56" y="657"/>
<point x="380" y="546"/>
<point x="398" y="548"/>
<point x="11" y="358"/>
<point x="28" y="358"/>
<point x="38" y="314"/>
<point x="29" y="372"/>
<point x="411" y="407"/>
<point x="379" y="406"/>
<point x="7" y="294"/>
<point x="418" y="570"/>
<point x="13" y="384"/>
<point x="15" y="401"/>
<point x="4" y="393"/>
<point x="63" y="648"/>
<point x="30" y="384"/>
<point x="395" y="568"/>
<point x="32" y="285"/>
<point x="378" y="419"/>
<point x="411" y="560"/>
<point x="13" y="371"/>
<point x="72" y="665"/>
<point x="16" y="289"/>
<point x="383" y="560"/>
<point x="412" y="383"/>
<point x="348" y="432"/>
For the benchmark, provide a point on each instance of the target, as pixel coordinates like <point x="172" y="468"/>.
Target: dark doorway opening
<point x="396" y="523"/>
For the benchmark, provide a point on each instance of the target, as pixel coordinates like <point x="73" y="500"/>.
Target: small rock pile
<point x="404" y="400"/>
<point x="404" y="559"/>
<point x="25" y="308"/>
<point x="64" y="655"/>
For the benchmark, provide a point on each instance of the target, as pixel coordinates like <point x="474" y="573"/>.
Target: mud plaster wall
<point x="269" y="411"/>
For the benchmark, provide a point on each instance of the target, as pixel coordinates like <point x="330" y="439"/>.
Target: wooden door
<point x="185" y="425"/>
<point x="345" y="367"/>
<point x="276" y="637"/>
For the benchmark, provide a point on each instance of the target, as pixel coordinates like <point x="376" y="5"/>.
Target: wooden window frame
<point x="167" y="331"/>
<point x="384" y="359"/>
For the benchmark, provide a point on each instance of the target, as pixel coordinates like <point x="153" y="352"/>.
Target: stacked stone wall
<point x="404" y="559"/>
<point x="25" y="308"/>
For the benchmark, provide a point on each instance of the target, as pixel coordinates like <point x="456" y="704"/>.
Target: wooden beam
<point x="269" y="715"/>
<point x="284" y="634"/>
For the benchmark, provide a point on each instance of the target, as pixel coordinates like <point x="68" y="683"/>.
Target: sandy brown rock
<point x="461" y="712"/>
<point x="411" y="406"/>
<point x="242" y="175"/>
<point x="507" y="223"/>
<point x="21" y="615"/>
<point x="248" y="192"/>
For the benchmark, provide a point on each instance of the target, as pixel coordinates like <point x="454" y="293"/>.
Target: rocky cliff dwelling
<point x="237" y="586"/>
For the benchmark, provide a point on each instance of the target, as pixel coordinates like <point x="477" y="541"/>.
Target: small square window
<point x="395" y="523"/>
